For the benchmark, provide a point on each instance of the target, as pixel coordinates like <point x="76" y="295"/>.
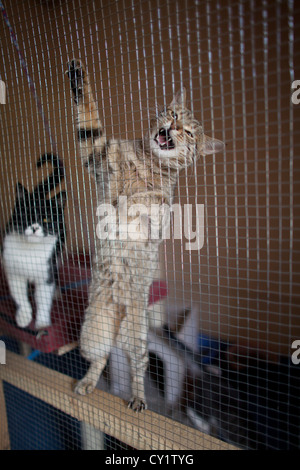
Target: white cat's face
<point x="177" y="138"/>
<point x="34" y="233"/>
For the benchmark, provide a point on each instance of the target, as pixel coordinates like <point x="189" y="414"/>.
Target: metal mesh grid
<point x="232" y="304"/>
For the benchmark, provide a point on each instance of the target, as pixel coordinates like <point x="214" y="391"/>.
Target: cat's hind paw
<point x="136" y="404"/>
<point x="84" y="387"/>
<point x="76" y="74"/>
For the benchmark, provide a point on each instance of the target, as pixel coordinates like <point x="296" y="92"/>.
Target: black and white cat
<point x="32" y="245"/>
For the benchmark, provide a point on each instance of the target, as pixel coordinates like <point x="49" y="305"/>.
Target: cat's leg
<point x="98" y="334"/>
<point x="18" y="289"/>
<point x="135" y="274"/>
<point x="43" y="298"/>
<point x="135" y="329"/>
<point x="90" y="133"/>
<point x="134" y="288"/>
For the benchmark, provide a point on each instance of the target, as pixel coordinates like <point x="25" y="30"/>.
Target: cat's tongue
<point x="162" y="139"/>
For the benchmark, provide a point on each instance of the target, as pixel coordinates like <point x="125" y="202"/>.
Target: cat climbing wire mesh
<point x="109" y="97"/>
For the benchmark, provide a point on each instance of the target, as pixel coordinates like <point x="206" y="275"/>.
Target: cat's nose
<point x="173" y="125"/>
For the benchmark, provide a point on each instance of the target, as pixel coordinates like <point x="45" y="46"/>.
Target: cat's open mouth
<point x="164" y="139"/>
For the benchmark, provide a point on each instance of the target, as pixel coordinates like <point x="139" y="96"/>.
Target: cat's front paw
<point x="43" y="320"/>
<point x="76" y="74"/>
<point x="24" y="316"/>
<point x="84" y="387"/>
<point x="137" y="404"/>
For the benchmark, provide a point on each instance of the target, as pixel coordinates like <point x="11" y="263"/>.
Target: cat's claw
<point x="75" y="69"/>
<point x="84" y="387"/>
<point x="136" y="404"/>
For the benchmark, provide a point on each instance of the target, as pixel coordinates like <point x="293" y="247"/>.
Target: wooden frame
<point x="4" y="434"/>
<point x="105" y="412"/>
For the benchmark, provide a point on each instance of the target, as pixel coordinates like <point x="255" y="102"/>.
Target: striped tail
<point x="56" y="177"/>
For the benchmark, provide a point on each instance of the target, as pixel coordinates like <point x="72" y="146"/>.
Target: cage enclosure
<point x="105" y="103"/>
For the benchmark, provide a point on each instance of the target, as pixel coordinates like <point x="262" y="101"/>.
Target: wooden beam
<point x="4" y="434"/>
<point x="66" y="348"/>
<point x="147" y="430"/>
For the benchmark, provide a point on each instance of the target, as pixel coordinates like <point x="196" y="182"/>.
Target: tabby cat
<point x="32" y="245"/>
<point x="146" y="172"/>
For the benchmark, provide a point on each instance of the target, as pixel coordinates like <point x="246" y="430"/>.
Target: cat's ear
<point x="179" y="99"/>
<point x="211" y="146"/>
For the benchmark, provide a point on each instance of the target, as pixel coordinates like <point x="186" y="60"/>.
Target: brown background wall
<point x="237" y="65"/>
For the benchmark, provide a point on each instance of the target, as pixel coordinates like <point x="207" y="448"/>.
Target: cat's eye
<point x="189" y="133"/>
<point x="174" y="115"/>
<point x="45" y="221"/>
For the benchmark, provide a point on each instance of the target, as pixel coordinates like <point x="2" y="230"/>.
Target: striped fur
<point x="145" y="171"/>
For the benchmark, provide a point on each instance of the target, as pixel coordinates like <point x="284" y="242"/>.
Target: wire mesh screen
<point x="109" y="108"/>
